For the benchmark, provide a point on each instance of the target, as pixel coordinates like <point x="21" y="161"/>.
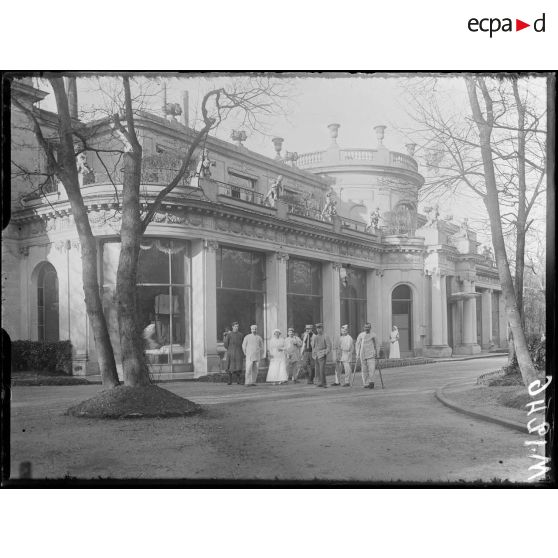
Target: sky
<point x="357" y="102"/>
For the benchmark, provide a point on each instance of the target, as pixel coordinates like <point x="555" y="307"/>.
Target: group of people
<point x="291" y="355"/>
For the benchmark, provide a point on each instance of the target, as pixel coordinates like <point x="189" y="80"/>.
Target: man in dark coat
<point x="235" y="356"/>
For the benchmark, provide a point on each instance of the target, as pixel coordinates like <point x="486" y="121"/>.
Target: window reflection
<point x="163" y="300"/>
<point x="240" y="289"/>
<point x="352" y="292"/>
<point x="304" y="293"/>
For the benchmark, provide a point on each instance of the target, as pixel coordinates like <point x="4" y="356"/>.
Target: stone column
<point x="469" y="344"/>
<point x="444" y="299"/>
<point x="487" y="319"/>
<point x="276" y="293"/>
<point x="438" y="303"/>
<point x="468" y="305"/>
<point x="331" y="300"/>
<point x="204" y="307"/>
<point x="374" y="303"/>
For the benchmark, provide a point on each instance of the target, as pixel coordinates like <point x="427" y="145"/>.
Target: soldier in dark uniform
<point x="235" y="356"/>
<point x="306" y="353"/>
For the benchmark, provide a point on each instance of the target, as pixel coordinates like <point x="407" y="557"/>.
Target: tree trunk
<point x="528" y="372"/>
<point x="70" y="181"/>
<point x="524" y="361"/>
<point x="512" y="361"/>
<point x="134" y="365"/>
<point x="521" y="203"/>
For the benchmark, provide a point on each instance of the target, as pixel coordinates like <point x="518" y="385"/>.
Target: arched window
<point x="401" y="313"/>
<point x="47" y="303"/>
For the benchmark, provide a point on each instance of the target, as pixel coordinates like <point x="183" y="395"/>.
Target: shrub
<point x="44" y="358"/>
<point x="537" y="350"/>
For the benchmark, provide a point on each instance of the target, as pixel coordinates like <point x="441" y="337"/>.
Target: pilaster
<point x="374" y="303"/>
<point x="276" y="293"/>
<point x="331" y="300"/>
<point x="438" y="347"/>
<point x="204" y="307"/>
<point x="469" y="345"/>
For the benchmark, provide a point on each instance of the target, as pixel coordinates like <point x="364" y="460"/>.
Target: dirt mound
<point x="134" y="402"/>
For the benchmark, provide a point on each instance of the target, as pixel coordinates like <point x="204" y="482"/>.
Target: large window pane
<point x="316" y="275"/>
<point x="234" y="269"/>
<point x="164" y="309"/>
<point x="304" y="277"/>
<point x="302" y="310"/>
<point x="352" y="287"/>
<point x="304" y="293"/>
<point x="161" y="316"/>
<point x="240" y="290"/>
<point x="244" y="307"/>
<point x="153" y="266"/>
<point x="178" y="251"/>
<point x="299" y="277"/>
<point x="258" y="272"/>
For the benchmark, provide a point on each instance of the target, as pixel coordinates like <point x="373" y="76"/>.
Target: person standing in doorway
<point x="253" y="348"/>
<point x="293" y="344"/>
<point x="235" y="356"/>
<point x="394" y="343"/>
<point x="344" y="348"/>
<point x="306" y="353"/>
<point x="366" y="350"/>
<point x="321" y="347"/>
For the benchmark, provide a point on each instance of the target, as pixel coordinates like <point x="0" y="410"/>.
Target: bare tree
<point x="485" y="121"/>
<point x="499" y="154"/>
<point x="248" y="99"/>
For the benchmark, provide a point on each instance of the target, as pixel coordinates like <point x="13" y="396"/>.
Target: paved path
<point x="288" y="432"/>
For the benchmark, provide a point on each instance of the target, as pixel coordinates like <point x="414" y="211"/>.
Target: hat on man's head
<point x="320" y="325"/>
<point x="290" y="329"/>
<point x="308" y="326"/>
<point x="235" y="323"/>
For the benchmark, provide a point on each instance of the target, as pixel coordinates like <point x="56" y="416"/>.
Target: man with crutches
<point x="366" y="351"/>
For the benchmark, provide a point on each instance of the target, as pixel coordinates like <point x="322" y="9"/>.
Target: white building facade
<point x="217" y="252"/>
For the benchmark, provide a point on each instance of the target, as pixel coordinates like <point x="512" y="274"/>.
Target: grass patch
<point x="516" y="399"/>
<point x="28" y="380"/>
<point x="124" y="402"/>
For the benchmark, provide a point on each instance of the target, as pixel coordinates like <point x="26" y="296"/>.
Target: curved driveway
<point x="294" y="432"/>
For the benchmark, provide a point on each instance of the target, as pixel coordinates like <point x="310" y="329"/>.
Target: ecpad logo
<point x="493" y="25"/>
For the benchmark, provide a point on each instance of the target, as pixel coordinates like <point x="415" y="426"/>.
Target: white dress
<point x="277" y="371"/>
<point x="394" y="345"/>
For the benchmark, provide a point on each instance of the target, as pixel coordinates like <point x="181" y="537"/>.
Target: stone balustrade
<point x="374" y="156"/>
<point x="307" y="159"/>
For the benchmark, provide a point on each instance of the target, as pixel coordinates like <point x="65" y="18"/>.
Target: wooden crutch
<point x="380" y="372"/>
